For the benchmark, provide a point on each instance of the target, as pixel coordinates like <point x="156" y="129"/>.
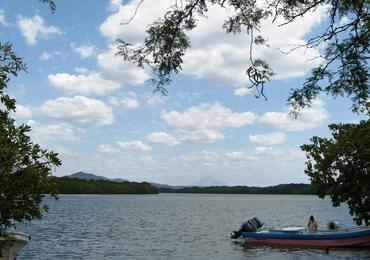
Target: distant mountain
<point x="205" y="181"/>
<point x="208" y="181"/>
<point x="118" y="180"/>
<point x="89" y="176"/>
<point x="86" y="176"/>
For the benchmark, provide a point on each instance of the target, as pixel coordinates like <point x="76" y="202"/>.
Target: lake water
<point x="174" y="226"/>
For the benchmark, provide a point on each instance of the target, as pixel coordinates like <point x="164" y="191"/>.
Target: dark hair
<point x="312" y="218"/>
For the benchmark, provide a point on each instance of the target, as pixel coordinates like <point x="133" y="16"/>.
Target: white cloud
<point x="344" y="20"/>
<point x="55" y="131"/>
<point x="134" y="145"/>
<point x="114" y="5"/>
<point x="199" y="157"/>
<point x="153" y="100"/>
<point x="106" y="148"/>
<point x="162" y="138"/>
<point x="23" y="111"/>
<point x="215" y="55"/>
<point x="79" y="109"/>
<point x="202" y="135"/>
<point x="112" y="28"/>
<point x="241" y="92"/>
<point x="84" y="50"/>
<point x="114" y="101"/>
<point x="130" y="101"/>
<point x="32" y="28"/>
<point x="268" y="139"/>
<point x="89" y="84"/>
<point x="81" y="70"/>
<point x="115" y="68"/>
<point x="2" y="18"/>
<point x="264" y="151"/>
<point x="205" y="122"/>
<point x="255" y="154"/>
<point x="257" y="166"/>
<point x="223" y="58"/>
<point x="309" y="118"/>
<point x="297" y="153"/>
<point x="50" y="55"/>
<point x="240" y="156"/>
<point x="208" y="116"/>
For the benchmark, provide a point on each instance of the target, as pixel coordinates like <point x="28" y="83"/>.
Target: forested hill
<point x="66" y="185"/>
<point x="291" y="188"/>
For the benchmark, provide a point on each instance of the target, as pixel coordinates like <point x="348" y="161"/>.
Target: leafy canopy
<point x="25" y="167"/>
<point x="343" y="72"/>
<point x="340" y="167"/>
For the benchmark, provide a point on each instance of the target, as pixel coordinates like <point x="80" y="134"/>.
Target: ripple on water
<point x="173" y="226"/>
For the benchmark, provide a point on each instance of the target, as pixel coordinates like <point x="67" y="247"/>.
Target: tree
<point x="337" y="167"/>
<point x="344" y="69"/>
<point x="25" y="168"/>
<point x="340" y="167"/>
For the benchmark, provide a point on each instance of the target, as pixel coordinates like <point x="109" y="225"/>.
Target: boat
<point x="351" y="237"/>
<point x="301" y="237"/>
<point x="18" y="241"/>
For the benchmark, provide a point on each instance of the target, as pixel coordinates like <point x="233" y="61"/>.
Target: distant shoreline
<point x="283" y="189"/>
<point x="65" y="185"/>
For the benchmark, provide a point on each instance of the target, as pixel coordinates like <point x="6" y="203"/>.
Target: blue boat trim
<point x="320" y="235"/>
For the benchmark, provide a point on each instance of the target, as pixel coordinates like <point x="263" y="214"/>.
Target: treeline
<point x="67" y="185"/>
<point x="292" y="188"/>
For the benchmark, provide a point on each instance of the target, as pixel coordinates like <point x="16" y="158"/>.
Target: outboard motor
<point x="258" y="222"/>
<point x="249" y="226"/>
<point x="333" y="225"/>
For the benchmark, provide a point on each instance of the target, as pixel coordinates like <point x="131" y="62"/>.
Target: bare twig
<point x="302" y="13"/>
<point x="133" y="16"/>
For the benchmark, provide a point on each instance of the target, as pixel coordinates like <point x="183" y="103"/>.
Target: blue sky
<point x="100" y="114"/>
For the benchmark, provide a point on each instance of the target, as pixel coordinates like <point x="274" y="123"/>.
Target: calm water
<point x="173" y="226"/>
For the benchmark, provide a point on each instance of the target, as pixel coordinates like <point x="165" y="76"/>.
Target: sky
<point x="101" y="115"/>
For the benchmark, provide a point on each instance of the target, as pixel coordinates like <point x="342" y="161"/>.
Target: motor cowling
<point x="250" y="225"/>
<point x="258" y="222"/>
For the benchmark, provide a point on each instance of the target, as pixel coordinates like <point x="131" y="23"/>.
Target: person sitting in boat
<point x="312" y="224"/>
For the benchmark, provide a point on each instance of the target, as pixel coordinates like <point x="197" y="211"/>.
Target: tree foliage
<point x="51" y="4"/>
<point x="25" y="167"/>
<point x="340" y="167"/>
<point x="344" y="70"/>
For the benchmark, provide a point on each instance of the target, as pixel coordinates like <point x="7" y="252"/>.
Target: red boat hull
<point x="355" y="237"/>
<point x="345" y="242"/>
